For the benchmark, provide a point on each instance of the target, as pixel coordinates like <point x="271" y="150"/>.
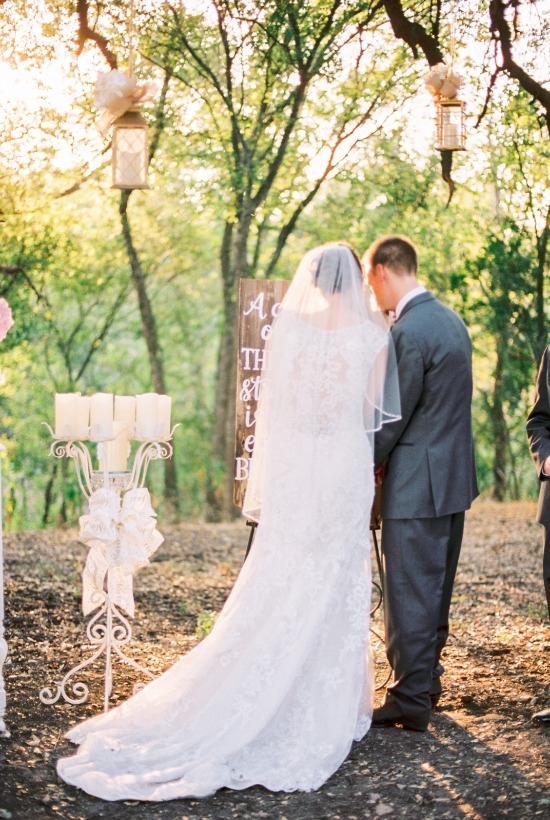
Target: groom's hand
<point x="379" y="474"/>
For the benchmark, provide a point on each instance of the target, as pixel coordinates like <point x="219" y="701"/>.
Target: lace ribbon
<point x="116" y="92"/>
<point x="122" y="536"/>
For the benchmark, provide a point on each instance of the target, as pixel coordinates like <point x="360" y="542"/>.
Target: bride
<point x="277" y="692"/>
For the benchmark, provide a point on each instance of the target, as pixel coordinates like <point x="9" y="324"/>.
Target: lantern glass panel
<point x="451" y="129"/>
<point x="130" y="156"/>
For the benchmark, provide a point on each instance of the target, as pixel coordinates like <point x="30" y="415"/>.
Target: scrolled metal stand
<point x="108" y="629"/>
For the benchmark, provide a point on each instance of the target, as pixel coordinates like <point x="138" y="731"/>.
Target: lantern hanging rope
<point x="444" y="83"/>
<point x="131" y="40"/>
<point x="118" y="95"/>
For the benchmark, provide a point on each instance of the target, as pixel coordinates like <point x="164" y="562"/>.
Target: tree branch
<point x="501" y="31"/>
<point x="416" y="37"/>
<point x="85" y="33"/>
<point x="414" y="34"/>
<point x="109" y="319"/>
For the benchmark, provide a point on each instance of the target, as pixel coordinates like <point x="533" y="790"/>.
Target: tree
<point x="66" y="304"/>
<point x="419" y="25"/>
<point x="501" y="299"/>
<point x="272" y="87"/>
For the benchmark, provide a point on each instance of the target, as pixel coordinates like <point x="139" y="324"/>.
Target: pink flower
<point x="6" y="320"/>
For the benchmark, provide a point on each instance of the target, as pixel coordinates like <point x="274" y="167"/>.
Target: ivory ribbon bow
<point x="116" y="92"/>
<point x="442" y="81"/>
<point x="122" y="536"/>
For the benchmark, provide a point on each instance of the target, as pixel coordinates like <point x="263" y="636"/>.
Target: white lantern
<point x="451" y="125"/>
<point x="130" y="151"/>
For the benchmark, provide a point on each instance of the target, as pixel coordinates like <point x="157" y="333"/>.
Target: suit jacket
<point x="538" y="433"/>
<point x="430" y="452"/>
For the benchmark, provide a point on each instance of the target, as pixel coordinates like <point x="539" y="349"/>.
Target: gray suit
<point x="429" y="482"/>
<point x="538" y="433"/>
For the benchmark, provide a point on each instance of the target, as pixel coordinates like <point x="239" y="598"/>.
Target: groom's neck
<point x="401" y="285"/>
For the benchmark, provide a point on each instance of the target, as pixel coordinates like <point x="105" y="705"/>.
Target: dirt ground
<point x="481" y="758"/>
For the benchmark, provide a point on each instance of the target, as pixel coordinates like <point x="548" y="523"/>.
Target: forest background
<point x="277" y="126"/>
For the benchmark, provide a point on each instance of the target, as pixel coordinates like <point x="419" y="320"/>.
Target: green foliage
<point x="298" y="129"/>
<point x="205" y="623"/>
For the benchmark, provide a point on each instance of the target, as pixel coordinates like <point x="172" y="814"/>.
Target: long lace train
<point x="278" y="690"/>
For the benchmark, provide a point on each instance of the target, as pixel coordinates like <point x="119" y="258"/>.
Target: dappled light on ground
<point x="481" y="758"/>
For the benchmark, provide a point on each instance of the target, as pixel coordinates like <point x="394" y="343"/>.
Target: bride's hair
<point x="335" y="267"/>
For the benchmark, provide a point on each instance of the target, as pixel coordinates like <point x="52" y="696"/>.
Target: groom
<point x="429" y="482"/>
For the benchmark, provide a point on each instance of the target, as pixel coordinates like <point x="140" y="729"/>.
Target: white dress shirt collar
<point x="407" y="298"/>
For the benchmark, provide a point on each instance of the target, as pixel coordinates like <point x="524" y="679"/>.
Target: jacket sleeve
<point x="538" y="420"/>
<point x="410" y="368"/>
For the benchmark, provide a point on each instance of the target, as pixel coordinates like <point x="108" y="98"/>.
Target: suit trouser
<point x="546" y="565"/>
<point x="420" y="556"/>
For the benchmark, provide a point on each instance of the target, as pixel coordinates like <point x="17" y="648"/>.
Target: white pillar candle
<point x="65" y="415"/>
<point x="125" y="411"/>
<point x="101" y="416"/>
<point x="147" y="416"/>
<point x="82" y="417"/>
<point x="165" y="410"/>
<point x="116" y="451"/>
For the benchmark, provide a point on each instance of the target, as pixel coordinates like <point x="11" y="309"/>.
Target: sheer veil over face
<point x="329" y="370"/>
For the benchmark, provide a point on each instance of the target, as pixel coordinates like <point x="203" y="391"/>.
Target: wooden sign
<point x="259" y="303"/>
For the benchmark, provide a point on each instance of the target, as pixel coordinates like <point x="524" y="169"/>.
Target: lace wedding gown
<point x="283" y="684"/>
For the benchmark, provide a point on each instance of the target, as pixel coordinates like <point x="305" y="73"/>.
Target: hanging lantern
<point x="130" y="151"/>
<point x="444" y="84"/>
<point x="117" y="94"/>
<point x="451" y="125"/>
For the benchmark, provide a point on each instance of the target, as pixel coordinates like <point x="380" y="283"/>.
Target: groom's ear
<point x="380" y="272"/>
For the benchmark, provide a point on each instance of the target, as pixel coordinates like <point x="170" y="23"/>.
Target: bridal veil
<point x="329" y="367"/>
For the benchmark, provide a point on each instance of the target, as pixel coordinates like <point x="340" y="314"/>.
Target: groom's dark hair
<point x="395" y="252"/>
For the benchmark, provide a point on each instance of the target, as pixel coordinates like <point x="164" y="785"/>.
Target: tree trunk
<point x="62" y="518"/>
<point x="48" y="495"/>
<point x="234" y="265"/>
<point x="542" y="251"/>
<point x="151" y="339"/>
<point x="500" y="433"/>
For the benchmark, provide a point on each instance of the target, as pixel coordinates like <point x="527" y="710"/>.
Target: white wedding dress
<point x="283" y="684"/>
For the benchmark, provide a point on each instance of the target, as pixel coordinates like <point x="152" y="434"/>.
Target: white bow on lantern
<point x="122" y="536"/>
<point x="115" y="92"/>
<point x="442" y="81"/>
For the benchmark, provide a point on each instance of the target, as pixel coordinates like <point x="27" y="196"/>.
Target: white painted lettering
<point x="250" y="390"/>
<point x="246" y="352"/>
<point x="241" y="468"/>
<point x="259" y="355"/>
<point x="249" y="418"/>
<point x="257" y="304"/>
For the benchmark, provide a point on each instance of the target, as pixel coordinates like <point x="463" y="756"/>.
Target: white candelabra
<point x="3" y="645"/>
<point x="120" y="528"/>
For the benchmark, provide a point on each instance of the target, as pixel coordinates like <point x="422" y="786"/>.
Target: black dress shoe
<point x="542" y="717"/>
<point x="435" y="689"/>
<point x="389" y="714"/>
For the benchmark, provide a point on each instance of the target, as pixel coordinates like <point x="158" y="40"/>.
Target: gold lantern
<point x="451" y="125"/>
<point x="130" y="151"/>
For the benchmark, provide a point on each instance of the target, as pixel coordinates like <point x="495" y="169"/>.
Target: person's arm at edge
<point x="538" y="421"/>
